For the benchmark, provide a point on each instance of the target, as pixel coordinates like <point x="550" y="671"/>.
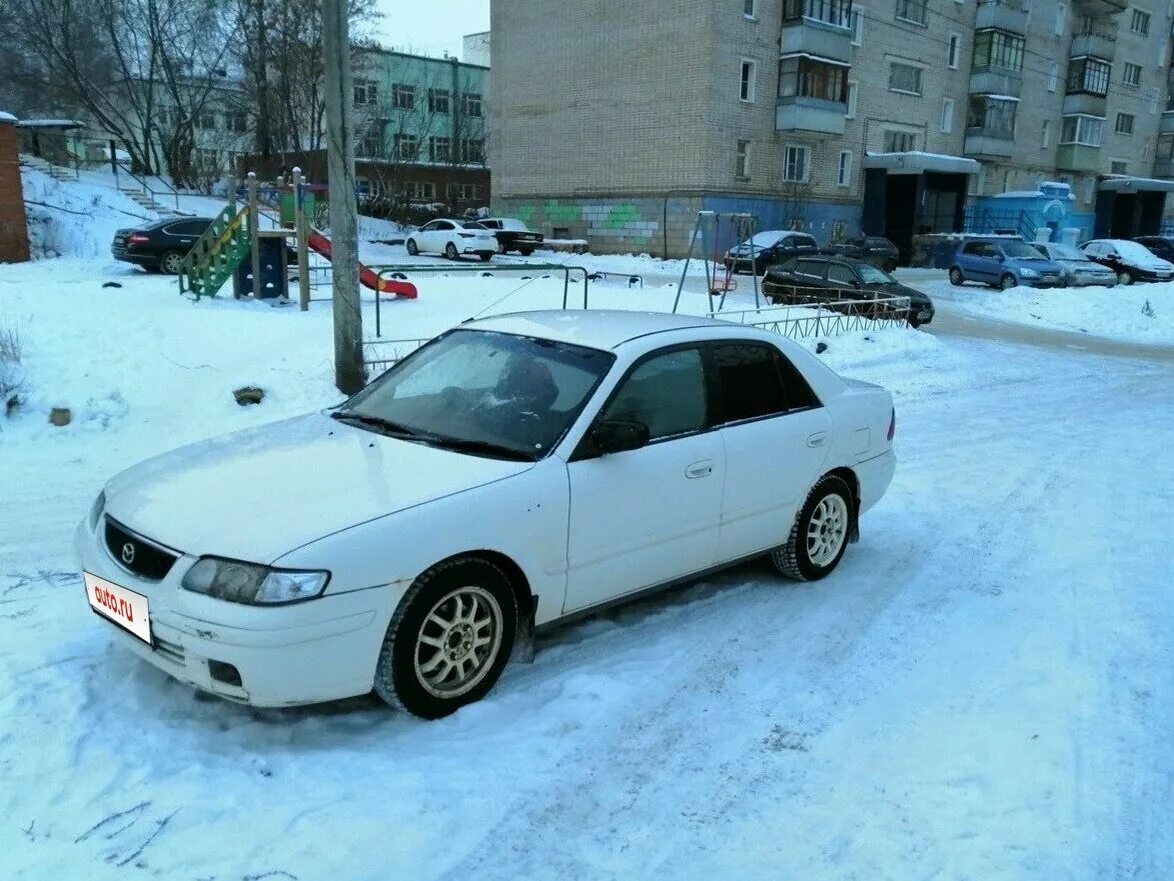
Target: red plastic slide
<point x="367" y="276"/>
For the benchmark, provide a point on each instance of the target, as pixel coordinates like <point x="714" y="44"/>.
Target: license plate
<point x="124" y="607"/>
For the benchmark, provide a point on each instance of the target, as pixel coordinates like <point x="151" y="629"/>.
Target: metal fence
<point x="807" y="320"/>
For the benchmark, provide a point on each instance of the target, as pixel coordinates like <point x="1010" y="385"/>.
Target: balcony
<point x="798" y="113"/>
<point x="1164" y="167"/>
<point x="1084" y="103"/>
<point x="983" y="142"/>
<point x="1001" y="14"/>
<point x="995" y="81"/>
<point x="1099" y="7"/>
<point x="817" y="27"/>
<point x="1098" y="40"/>
<point x="1166" y="123"/>
<point x="1078" y="157"/>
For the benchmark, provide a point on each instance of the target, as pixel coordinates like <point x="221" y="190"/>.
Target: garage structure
<point x="1127" y="207"/>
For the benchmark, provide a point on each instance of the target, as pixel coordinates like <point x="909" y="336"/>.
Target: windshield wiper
<point x="479" y="447"/>
<point x="388" y="427"/>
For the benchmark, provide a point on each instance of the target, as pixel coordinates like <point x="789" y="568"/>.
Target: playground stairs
<point x="216" y="254"/>
<point x="57" y="172"/>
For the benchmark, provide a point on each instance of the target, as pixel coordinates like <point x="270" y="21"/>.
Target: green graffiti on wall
<point x="561" y="212"/>
<point x="524" y="213"/>
<point x="621" y="215"/>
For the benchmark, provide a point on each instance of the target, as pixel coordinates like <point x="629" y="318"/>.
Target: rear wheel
<point x="956" y="276"/>
<point x="171" y="262"/>
<point x="525" y="252"/>
<point x="1124" y="277"/>
<point x="450" y="251"/>
<point x="413" y="248"/>
<point x="449" y="640"/>
<point x="485" y="258"/>
<point x="820" y="534"/>
<point x="1007" y="281"/>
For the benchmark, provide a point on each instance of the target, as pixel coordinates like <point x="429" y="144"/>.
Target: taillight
<point x="893" y="424"/>
<point x="138" y="238"/>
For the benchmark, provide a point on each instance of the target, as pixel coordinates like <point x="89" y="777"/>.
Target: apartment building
<point x="893" y="117"/>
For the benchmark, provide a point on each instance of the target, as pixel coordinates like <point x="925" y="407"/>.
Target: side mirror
<point x="618" y="436"/>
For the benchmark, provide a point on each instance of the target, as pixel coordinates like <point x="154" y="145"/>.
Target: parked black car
<point x="821" y="278"/>
<point x="513" y="235"/>
<point x="767" y="248"/>
<point x="1130" y="260"/>
<point x="1162" y="246"/>
<point x="161" y="246"/>
<point x="877" y="250"/>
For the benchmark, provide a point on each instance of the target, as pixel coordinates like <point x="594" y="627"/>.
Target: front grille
<point x="137" y="554"/>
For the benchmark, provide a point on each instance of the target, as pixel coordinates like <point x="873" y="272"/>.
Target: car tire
<point x="1007" y="282"/>
<point x="450" y="251"/>
<point x="525" y="252"/>
<point x="171" y="262"/>
<point x="460" y="593"/>
<point x="413" y="248"/>
<point x="1124" y="277"/>
<point x="820" y="534"/>
<point x="956" y="277"/>
<point x="485" y="258"/>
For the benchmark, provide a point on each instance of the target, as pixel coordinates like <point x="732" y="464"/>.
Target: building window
<point x="403" y="96"/>
<point x="366" y="93"/>
<point x="899" y="141"/>
<point x="912" y="11"/>
<point x="440" y="149"/>
<point x="423" y="190"/>
<point x="1080" y="129"/>
<point x="1088" y="76"/>
<point x="992" y="117"/>
<point x="471" y="104"/>
<point x="834" y="12"/>
<point x="472" y="152"/>
<point x="1131" y="74"/>
<point x="237" y="120"/>
<point x="742" y="160"/>
<point x="947" y="115"/>
<point x="1061" y="19"/>
<point x="206" y="120"/>
<point x="904" y="78"/>
<point x="1053" y="76"/>
<point x="1118" y="166"/>
<point x="1045" y="137"/>
<point x="1124" y="124"/>
<point x="750" y="10"/>
<point x="795" y="164"/>
<point x="805" y="77"/>
<point x="407" y="147"/>
<point x="851" y="112"/>
<point x="1139" y="23"/>
<point x="370" y="146"/>
<point x="746" y="84"/>
<point x="952" y="52"/>
<point x="857" y="24"/>
<point x="844" y="169"/>
<point x="998" y="49"/>
<point x="438" y="101"/>
<point x="468" y="192"/>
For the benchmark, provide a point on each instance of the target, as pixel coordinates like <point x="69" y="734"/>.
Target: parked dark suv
<point x="843" y="280"/>
<point x="876" y="250"/>
<point x="161" y="246"/>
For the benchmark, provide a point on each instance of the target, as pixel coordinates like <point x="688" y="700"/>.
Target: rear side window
<point x="187" y="228"/>
<point x="801" y="241"/>
<point x="809" y="267"/>
<point x="756" y="381"/>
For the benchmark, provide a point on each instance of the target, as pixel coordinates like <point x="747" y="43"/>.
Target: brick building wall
<point x="14" y="240"/>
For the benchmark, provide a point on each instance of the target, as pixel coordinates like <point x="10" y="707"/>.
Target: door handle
<point x="699" y="469"/>
<point x="818" y="439"/>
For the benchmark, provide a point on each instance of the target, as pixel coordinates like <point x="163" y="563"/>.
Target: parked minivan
<point x="1004" y="263"/>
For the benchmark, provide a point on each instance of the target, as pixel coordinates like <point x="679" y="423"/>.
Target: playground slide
<point x="368" y="278"/>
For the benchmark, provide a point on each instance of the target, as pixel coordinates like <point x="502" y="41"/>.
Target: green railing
<point x="216" y="254"/>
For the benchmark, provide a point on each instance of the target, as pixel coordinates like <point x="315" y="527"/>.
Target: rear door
<point x="842" y="282"/>
<point x="810" y="280"/>
<point x="775" y="435"/>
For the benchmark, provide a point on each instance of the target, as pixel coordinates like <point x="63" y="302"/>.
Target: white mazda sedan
<point x="512" y="473"/>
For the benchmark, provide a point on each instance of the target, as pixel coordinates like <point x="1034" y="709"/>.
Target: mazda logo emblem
<point x="128" y="553"/>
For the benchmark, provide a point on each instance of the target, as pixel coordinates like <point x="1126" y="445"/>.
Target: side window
<point x="841" y="275"/>
<point x="428" y="227"/>
<point x="809" y="267"/>
<point x="971" y="249"/>
<point x="666" y="393"/>
<point x="804" y="242"/>
<point x="444" y="224"/>
<point x="751" y="385"/>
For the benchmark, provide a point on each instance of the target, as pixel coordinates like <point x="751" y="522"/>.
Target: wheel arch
<point x="849" y="477"/>
<point x="515" y="575"/>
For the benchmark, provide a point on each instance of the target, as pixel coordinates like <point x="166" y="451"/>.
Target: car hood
<point x="260" y="493"/>
<point x="1039" y="264"/>
<point x="1085" y="266"/>
<point x="916" y="297"/>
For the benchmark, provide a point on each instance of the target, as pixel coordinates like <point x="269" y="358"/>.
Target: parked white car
<point x="453" y="239"/>
<point x="515" y="471"/>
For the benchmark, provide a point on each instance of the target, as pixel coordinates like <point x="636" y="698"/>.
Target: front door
<point x="647" y="516"/>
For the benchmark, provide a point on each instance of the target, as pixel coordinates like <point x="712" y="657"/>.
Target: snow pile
<point x="73" y="218"/>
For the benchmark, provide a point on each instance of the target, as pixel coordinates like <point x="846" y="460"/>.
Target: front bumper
<point x="1084" y="281"/>
<point x="310" y="652"/>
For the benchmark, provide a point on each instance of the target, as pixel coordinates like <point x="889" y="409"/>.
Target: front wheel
<point x="525" y="252"/>
<point x="449" y="640"/>
<point x="1124" y="277"/>
<point x="413" y="248"/>
<point x="820" y="534"/>
<point x="956" y="276"/>
<point x="1007" y="282"/>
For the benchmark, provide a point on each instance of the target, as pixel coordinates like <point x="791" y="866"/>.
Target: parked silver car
<point x="1079" y="271"/>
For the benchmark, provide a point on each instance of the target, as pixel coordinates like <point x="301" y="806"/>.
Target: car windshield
<point x="764" y="239"/>
<point x="1066" y="252"/>
<point x="1021" y="250"/>
<point x="482" y="392"/>
<point x="869" y="274"/>
<point x="1133" y="251"/>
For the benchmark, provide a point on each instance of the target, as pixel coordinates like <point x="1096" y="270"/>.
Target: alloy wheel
<point x="827" y="530"/>
<point x="458" y="642"/>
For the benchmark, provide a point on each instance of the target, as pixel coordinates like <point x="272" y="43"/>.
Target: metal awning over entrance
<point x="917" y="162"/>
<point x="1135" y="185"/>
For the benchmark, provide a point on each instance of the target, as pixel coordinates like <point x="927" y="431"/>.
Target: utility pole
<point x="349" y="373"/>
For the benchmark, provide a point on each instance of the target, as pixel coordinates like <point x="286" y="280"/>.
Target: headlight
<point x="1029" y="273"/>
<point x="239" y="582"/>
<point x="97" y="508"/>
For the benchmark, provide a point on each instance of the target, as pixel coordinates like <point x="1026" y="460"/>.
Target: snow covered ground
<point x="982" y="691"/>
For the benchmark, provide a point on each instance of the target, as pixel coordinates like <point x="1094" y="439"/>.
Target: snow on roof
<point x="51" y="123"/>
<point x="915" y="161"/>
<point x="1002" y="98"/>
<point x="1020" y="194"/>
<point x="6" y="117"/>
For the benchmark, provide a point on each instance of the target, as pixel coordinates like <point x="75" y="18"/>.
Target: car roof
<point x="594" y="328"/>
